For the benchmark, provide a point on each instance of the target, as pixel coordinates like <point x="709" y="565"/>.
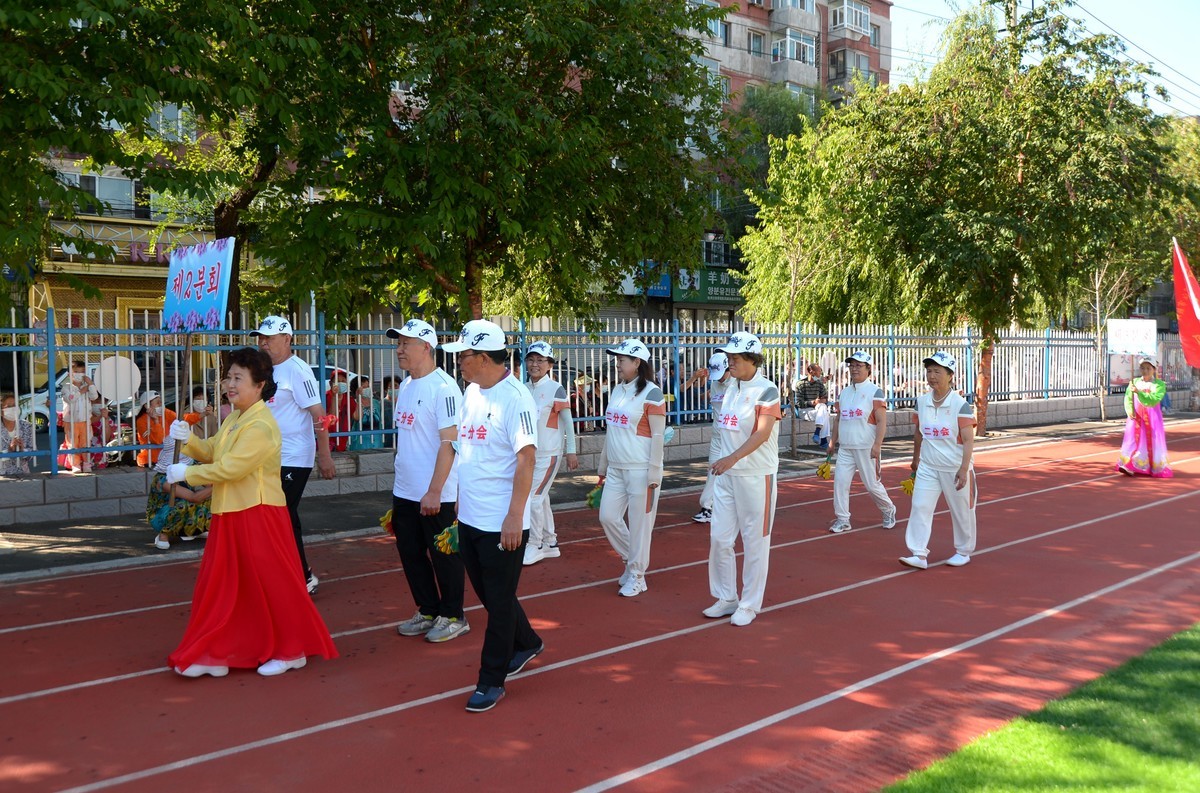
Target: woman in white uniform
<point x="744" y="494"/>
<point x="859" y="427"/>
<point x="631" y="463"/>
<point x="943" y="441"/>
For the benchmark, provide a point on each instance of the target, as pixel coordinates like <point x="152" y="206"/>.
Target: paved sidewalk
<point x="32" y="549"/>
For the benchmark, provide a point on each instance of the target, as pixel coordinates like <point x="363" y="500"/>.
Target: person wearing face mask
<point x="337" y="403"/>
<point x="15" y="436"/>
<point x="202" y="415"/>
<point x="76" y="396"/>
<point x="631" y="462"/>
<point x="388" y="389"/>
<point x="364" y="416"/>
<point x="150" y="422"/>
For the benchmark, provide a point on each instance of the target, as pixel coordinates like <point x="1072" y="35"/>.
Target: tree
<point x="553" y="145"/>
<point x="975" y="196"/>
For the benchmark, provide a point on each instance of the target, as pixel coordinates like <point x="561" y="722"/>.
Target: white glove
<point x="176" y="472"/>
<point x="654" y="476"/>
<point x="181" y="431"/>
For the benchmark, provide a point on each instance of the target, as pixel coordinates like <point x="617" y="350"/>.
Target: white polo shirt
<point x="744" y="402"/>
<point x="551" y="399"/>
<point x="424" y="407"/>
<point x="295" y="392"/>
<point x="494" y="424"/>
<point x="627" y="441"/>
<point x="941" y="441"/>
<point x="855" y="407"/>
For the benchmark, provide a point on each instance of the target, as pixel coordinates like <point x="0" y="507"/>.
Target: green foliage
<point x="1135" y="729"/>
<point x="976" y="195"/>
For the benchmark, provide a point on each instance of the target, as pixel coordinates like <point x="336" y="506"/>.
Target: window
<point x="874" y="35"/>
<point x="805" y="95"/>
<point x="837" y="65"/>
<point x="716" y="28"/>
<point x="799" y="5"/>
<point x="726" y="88"/>
<point x="755" y="43"/>
<point x="751" y="89"/>
<point x="794" y="45"/>
<point x="846" y="63"/>
<point x="169" y="123"/>
<point x="850" y="14"/>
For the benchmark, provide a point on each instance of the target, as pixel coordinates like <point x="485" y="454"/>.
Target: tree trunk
<point x="227" y="222"/>
<point x="473" y="275"/>
<point x="983" y="385"/>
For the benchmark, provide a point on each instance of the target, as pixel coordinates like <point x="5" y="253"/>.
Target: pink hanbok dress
<point x="1144" y="447"/>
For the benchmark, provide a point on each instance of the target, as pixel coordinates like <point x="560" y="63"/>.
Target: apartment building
<point x="811" y="46"/>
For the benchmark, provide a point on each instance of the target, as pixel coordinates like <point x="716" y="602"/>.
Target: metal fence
<point x="1026" y="365"/>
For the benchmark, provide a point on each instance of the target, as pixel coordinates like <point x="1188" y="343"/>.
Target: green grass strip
<point x="1135" y="729"/>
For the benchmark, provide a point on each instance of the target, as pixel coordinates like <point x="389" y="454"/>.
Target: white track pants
<point x="928" y="485"/>
<point x="541" y="517"/>
<point x="710" y="482"/>
<point x="850" y="461"/>
<point x="742" y="505"/>
<point x="626" y="491"/>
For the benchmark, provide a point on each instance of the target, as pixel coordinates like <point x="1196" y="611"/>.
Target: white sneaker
<point x="742" y="617"/>
<point x="277" y="666"/>
<point x="551" y="551"/>
<point x="635" y="586"/>
<point x="161" y="542"/>
<point x="914" y="561"/>
<point x="889" y="519"/>
<point x="839" y="526"/>
<point x="722" y="608"/>
<point x="703" y="516"/>
<point x="444" y="629"/>
<point x="533" y="554"/>
<point x="624" y="579"/>
<point x="958" y="560"/>
<point x="199" y="670"/>
<point x="187" y="537"/>
<point x="312" y="583"/>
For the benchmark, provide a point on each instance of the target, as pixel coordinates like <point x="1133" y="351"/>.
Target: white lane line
<point x="868" y="682"/>
<point x="394" y="570"/>
<point x="669" y="760"/>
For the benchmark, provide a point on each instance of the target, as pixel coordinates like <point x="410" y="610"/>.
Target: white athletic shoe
<point x="703" y="516"/>
<point x="889" y="519"/>
<point x="624" y="579"/>
<point x="533" y="554"/>
<point x="161" y="542"/>
<point x="312" y="583"/>
<point x="722" y="608"/>
<point x="742" y="617"/>
<point x="277" y="666"/>
<point x="633" y="587"/>
<point x="914" y="561"/>
<point x="839" y="526"/>
<point x="958" y="560"/>
<point x="551" y="551"/>
<point x="199" y="670"/>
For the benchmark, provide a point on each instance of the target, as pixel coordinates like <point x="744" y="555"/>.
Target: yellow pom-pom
<point x="447" y="541"/>
<point x="386" y="523"/>
<point x="907" y="486"/>
<point x="825" y="470"/>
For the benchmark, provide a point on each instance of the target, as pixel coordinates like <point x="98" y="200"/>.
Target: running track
<point x="857" y="672"/>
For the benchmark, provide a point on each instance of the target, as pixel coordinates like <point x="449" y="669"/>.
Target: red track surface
<point x="858" y="671"/>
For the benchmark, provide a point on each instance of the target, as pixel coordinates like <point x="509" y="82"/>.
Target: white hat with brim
<point x="415" y="329"/>
<point x="861" y="356"/>
<point x="742" y="343"/>
<point x="1150" y="359"/>
<point x="540" y="348"/>
<point x="146" y="399"/>
<point x="943" y="359"/>
<point x="631" y="348"/>
<point x="718" y="364"/>
<point x="479" y="335"/>
<point x="272" y="326"/>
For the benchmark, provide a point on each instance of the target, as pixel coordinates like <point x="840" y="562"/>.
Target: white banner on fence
<point x="1132" y="337"/>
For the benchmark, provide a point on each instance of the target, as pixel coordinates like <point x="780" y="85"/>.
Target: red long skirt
<point x="250" y="604"/>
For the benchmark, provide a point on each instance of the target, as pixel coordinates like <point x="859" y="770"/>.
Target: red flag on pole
<point x="1187" y="306"/>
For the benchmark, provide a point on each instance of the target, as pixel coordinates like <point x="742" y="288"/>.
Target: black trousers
<point x="494" y="575"/>
<point x="435" y="579"/>
<point x="293" y="481"/>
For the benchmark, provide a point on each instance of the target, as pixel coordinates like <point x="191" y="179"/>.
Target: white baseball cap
<point x="540" y="348"/>
<point x="1150" y="359"/>
<point x="743" y="342"/>
<point x="862" y="356"/>
<point x="146" y="398"/>
<point x="632" y="348"/>
<point x="272" y="326"/>
<point x="480" y="335"/>
<point x="718" y="364"/>
<point x="944" y="359"/>
<point x="415" y="329"/>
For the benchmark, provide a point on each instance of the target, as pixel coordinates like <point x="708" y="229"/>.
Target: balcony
<point x="793" y="71"/>
<point x="788" y="17"/>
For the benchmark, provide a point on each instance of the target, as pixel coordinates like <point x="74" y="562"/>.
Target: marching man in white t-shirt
<point x="859" y="425"/>
<point x="426" y="485"/>
<point x="746" y="471"/>
<point x="719" y="380"/>
<point x="556" y="435"/>
<point x="497" y="444"/>
<point x="299" y="411"/>
<point x="943" y="441"/>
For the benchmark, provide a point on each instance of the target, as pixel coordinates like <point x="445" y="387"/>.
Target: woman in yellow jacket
<point x="250" y="607"/>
